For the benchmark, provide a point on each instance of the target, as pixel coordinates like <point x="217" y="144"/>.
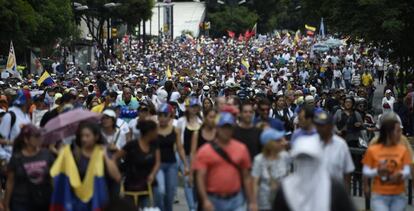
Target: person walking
<point x="142" y="161"/>
<point x="222" y="171"/>
<point x="336" y="155"/>
<point x="189" y="124"/>
<point x="246" y="133"/>
<point x="169" y="143"/>
<point x="388" y="163"/>
<point x="310" y="187"/>
<point x="270" y="167"/>
<point x="28" y="185"/>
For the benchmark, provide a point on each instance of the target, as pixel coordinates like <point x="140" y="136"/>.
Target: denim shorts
<point x="388" y="202"/>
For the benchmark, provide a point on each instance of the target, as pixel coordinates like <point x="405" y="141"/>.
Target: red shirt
<point x="222" y="177"/>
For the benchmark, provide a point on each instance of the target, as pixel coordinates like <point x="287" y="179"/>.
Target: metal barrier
<point x="357" y="182"/>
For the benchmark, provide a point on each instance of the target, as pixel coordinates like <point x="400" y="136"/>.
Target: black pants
<point x="381" y="77"/>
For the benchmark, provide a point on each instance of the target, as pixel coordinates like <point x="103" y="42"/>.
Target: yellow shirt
<point x="366" y="79"/>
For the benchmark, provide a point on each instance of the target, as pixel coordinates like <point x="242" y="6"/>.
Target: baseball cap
<point x="271" y="134"/>
<point x="388" y="91"/>
<point x="322" y="118"/>
<point x="225" y="118"/>
<point x="109" y="112"/>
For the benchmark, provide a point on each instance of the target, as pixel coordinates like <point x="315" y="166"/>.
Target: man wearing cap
<point x="222" y="169"/>
<point x="12" y="121"/>
<point x="336" y="156"/>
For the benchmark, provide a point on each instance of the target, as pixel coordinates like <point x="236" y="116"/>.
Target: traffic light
<point x="114" y="32"/>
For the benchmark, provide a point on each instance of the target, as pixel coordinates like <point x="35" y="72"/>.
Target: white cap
<point x="110" y="113"/>
<point x="388" y="91"/>
<point x="309" y="98"/>
<point x="307" y="145"/>
<point x="206" y="88"/>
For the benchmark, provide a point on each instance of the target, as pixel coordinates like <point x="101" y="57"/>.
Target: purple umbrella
<point x="66" y="124"/>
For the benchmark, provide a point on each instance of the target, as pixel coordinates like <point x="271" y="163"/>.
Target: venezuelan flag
<point x="245" y="66"/>
<point x="72" y="194"/>
<point x="45" y="79"/>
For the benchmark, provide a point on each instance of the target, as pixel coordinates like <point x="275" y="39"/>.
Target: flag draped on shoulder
<point x="11" y="63"/>
<point x="70" y="193"/>
<point x="45" y="79"/>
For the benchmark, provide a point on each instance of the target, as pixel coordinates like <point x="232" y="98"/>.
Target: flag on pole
<point x="310" y="30"/>
<point x="35" y="66"/>
<point x="278" y="35"/>
<point x="322" y="29"/>
<point x="240" y="39"/>
<point x="11" y="63"/>
<point x="297" y="37"/>
<point x="254" y="30"/>
<point x="45" y="79"/>
<point x="231" y="34"/>
<point x="247" y="35"/>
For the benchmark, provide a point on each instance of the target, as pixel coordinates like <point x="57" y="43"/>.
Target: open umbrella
<point x="66" y="124"/>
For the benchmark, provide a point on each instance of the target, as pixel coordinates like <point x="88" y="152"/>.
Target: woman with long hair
<point x="142" y="160"/>
<point x="169" y="143"/>
<point x="188" y="125"/>
<point x="93" y="168"/>
<point x="205" y="135"/>
<point x="28" y="184"/>
<point x="388" y="163"/>
<point x="206" y="105"/>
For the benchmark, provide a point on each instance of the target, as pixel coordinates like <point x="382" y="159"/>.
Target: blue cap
<point x="226" y="118"/>
<point x="271" y="134"/>
<point x="165" y="108"/>
<point x="21" y="99"/>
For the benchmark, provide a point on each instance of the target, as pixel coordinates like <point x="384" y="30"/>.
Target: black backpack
<point x="12" y="122"/>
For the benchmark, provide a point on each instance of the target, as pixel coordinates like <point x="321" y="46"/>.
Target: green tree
<point x="30" y="23"/>
<point x="237" y="19"/>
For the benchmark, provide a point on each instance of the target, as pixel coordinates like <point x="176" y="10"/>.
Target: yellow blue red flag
<point x="70" y="193"/>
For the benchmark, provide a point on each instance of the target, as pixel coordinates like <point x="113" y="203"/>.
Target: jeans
<point x="338" y="82"/>
<point x="347" y="83"/>
<point x="388" y="202"/>
<point x="236" y="203"/>
<point x="167" y="178"/>
<point x="188" y="188"/>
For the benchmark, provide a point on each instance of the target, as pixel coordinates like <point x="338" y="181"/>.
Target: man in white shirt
<point x="13" y="120"/>
<point x="336" y="156"/>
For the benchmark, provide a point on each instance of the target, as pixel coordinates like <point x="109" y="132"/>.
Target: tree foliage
<point x="34" y="22"/>
<point x="237" y="19"/>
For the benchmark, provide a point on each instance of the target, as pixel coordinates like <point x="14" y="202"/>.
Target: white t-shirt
<point x="337" y="158"/>
<point x="390" y="102"/>
<point x="119" y="138"/>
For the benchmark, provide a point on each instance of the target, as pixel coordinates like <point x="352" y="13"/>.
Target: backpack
<point x="12" y="121"/>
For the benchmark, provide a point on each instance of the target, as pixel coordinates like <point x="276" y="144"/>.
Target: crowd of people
<point x="260" y="125"/>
